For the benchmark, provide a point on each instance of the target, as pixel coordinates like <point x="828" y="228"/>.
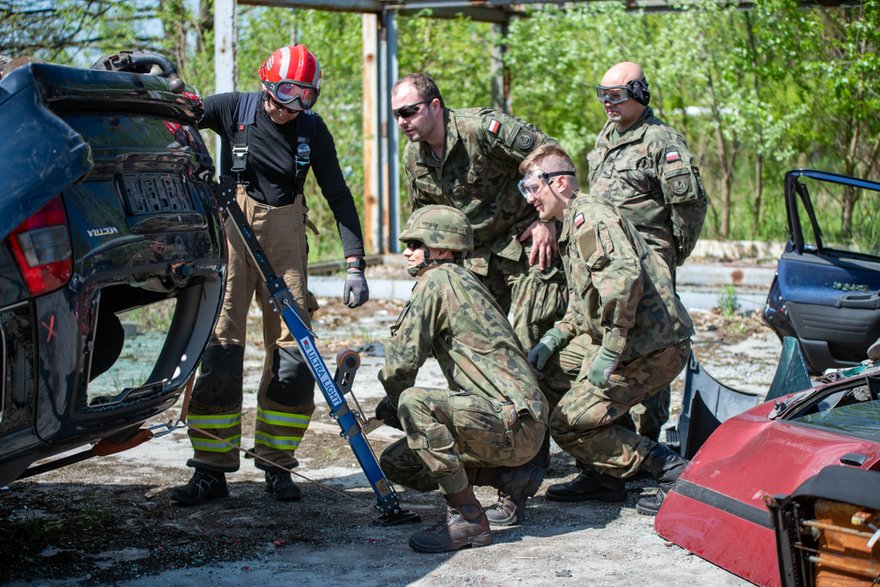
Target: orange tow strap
<point x="107" y="447"/>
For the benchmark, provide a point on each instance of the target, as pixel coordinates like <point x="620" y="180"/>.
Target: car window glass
<point x="854" y="410"/>
<point x="848" y="217"/>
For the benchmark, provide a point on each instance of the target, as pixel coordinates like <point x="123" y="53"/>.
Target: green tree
<point x="839" y="62"/>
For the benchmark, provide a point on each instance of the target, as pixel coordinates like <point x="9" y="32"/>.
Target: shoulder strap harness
<point x="245" y="114"/>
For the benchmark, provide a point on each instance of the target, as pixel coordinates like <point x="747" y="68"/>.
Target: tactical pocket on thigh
<point x="480" y="425"/>
<point x="438" y="438"/>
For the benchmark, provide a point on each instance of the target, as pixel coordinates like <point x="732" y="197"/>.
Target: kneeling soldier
<point x="487" y="427"/>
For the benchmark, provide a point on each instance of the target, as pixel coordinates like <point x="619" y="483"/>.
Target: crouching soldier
<point x="624" y="337"/>
<point x="490" y="423"/>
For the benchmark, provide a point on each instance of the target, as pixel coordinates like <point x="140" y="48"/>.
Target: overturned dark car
<point x="106" y="206"/>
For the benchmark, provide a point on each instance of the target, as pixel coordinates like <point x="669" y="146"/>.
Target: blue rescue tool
<point x="348" y="361"/>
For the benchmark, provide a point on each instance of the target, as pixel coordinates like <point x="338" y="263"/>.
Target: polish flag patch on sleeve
<point x="672" y="156"/>
<point x="493" y="127"/>
<point x="578" y="220"/>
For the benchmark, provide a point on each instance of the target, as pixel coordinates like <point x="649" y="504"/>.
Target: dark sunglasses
<point x="409" y="111"/>
<point x="413" y="245"/>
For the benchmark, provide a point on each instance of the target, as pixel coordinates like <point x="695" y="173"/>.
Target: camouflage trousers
<point x="589" y="422"/>
<point x="653" y="413"/>
<point x="448" y="431"/>
<point x="535" y="299"/>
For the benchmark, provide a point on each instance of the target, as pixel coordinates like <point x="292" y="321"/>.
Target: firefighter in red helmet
<point x="292" y="77"/>
<point x="270" y="140"/>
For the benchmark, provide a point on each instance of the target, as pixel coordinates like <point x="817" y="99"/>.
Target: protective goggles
<point x="613" y="94"/>
<point x="530" y="184"/>
<point x="288" y="93"/>
<point x="408" y="111"/>
<point x="281" y="106"/>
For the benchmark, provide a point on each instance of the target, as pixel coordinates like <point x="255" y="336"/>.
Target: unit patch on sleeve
<point x="525" y="140"/>
<point x="493" y="127"/>
<point x="587" y="243"/>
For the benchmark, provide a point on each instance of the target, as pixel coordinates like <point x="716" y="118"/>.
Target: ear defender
<point x="638" y="89"/>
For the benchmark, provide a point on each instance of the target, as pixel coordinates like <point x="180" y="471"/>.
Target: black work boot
<point x="281" y="486"/>
<point x="203" y="486"/>
<point x="665" y="466"/>
<point x="465" y="525"/>
<point x="589" y="485"/>
<point x="515" y="486"/>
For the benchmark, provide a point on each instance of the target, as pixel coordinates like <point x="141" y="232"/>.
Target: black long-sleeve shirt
<point x="270" y="171"/>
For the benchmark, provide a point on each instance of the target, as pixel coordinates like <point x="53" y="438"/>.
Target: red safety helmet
<point x="292" y="74"/>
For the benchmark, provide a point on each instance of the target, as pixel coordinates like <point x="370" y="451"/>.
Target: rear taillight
<point x="42" y="249"/>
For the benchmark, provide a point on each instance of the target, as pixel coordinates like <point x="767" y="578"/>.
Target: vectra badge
<point x="103" y="231"/>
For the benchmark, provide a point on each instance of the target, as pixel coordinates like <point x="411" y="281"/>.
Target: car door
<point x="826" y="292"/>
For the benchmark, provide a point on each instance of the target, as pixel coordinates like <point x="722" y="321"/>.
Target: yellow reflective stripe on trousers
<point x="214" y="421"/>
<point x="277" y="442"/>
<point x="211" y="445"/>
<point x="286" y="419"/>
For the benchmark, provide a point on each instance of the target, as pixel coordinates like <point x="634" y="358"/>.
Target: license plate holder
<point x="155" y="193"/>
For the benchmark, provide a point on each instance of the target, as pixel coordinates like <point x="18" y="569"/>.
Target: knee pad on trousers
<point x="220" y="381"/>
<point x="292" y="383"/>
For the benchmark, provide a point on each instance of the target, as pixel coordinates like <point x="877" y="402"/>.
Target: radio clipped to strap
<point x="302" y="162"/>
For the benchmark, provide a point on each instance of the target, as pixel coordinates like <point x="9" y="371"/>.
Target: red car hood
<point x="716" y="509"/>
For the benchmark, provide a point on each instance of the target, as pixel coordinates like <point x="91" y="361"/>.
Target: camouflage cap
<point x="439" y="227"/>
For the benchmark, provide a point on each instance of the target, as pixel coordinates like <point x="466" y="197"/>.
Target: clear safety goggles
<point x="531" y="183"/>
<point x="613" y="94"/>
<point x="288" y="93"/>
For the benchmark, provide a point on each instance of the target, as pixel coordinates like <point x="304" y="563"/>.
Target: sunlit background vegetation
<point x="756" y="92"/>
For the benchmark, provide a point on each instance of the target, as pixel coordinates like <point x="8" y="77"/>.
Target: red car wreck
<point x="787" y="492"/>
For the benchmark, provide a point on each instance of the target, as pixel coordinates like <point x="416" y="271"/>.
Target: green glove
<point x="603" y="365"/>
<point x="552" y="340"/>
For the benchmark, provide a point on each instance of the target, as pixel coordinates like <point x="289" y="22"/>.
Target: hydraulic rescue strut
<point x="348" y="362"/>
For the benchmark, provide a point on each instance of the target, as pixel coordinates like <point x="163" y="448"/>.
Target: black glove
<point x="552" y="340"/>
<point x="356" y="292"/>
<point x="386" y="412"/>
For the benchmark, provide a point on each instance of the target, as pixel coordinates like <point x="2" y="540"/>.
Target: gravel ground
<point x="109" y="521"/>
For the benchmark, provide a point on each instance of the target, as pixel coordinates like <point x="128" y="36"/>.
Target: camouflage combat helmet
<point x="440" y="227"/>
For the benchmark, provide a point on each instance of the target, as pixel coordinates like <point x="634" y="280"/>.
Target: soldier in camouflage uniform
<point x="468" y="159"/>
<point x="487" y="427"/>
<point x="644" y="167"/>
<point x="624" y="336"/>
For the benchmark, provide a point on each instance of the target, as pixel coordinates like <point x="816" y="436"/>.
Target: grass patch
<point x="727" y="302"/>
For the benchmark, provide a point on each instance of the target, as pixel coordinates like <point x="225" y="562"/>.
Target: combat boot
<point x="515" y="486"/>
<point x="465" y="525"/>
<point x="589" y="485"/>
<point x="281" y="486"/>
<point x="203" y="486"/>
<point x="665" y="466"/>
